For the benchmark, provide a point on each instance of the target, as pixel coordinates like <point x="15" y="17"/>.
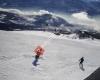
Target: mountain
<point x="12" y="19"/>
<point x="68" y="6"/>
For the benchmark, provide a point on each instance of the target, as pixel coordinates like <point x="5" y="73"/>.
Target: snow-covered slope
<point x="60" y="61"/>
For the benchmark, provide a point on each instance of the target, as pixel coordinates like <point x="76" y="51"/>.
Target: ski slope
<point x="59" y="62"/>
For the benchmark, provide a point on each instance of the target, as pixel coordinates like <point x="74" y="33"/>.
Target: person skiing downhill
<point x="81" y="63"/>
<point x="39" y="51"/>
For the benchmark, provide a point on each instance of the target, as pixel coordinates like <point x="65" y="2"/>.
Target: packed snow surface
<point x="59" y="62"/>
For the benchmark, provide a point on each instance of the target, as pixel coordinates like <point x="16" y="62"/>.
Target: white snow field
<point x="59" y="62"/>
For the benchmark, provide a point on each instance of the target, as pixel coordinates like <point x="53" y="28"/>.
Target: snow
<point x="2" y="16"/>
<point x="59" y="62"/>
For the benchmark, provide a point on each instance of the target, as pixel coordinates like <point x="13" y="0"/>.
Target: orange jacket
<point x="39" y="50"/>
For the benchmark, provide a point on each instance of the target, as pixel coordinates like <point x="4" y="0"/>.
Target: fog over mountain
<point x="14" y="19"/>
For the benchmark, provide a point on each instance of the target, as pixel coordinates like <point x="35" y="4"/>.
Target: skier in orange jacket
<point x="39" y="51"/>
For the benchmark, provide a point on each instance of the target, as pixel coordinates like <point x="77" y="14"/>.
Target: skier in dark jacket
<point x="81" y="63"/>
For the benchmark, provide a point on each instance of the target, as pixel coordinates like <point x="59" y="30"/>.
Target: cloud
<point x="83" y="19"/>
<point x="82" y="16"/>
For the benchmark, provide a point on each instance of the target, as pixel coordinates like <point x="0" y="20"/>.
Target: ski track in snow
<point x="59" y="62"/>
